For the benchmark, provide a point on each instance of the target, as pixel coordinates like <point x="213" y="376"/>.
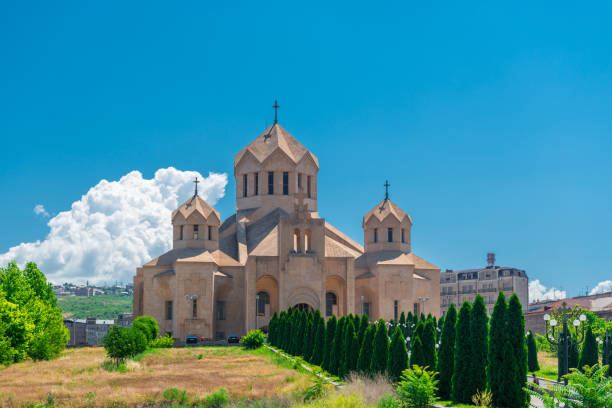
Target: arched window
<point x="296" y="240"/>
<point x="181" y="232"/>
<point x="330" y="301"/>
<point x="375" y="234"/>
<point x="263" y="299"/>
<point x="307" y="243"/>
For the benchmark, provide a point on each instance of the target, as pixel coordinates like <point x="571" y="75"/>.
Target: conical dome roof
<point x="195" y="204"/>
<point x="384" y="209"/>
<point x="272" y="139"/>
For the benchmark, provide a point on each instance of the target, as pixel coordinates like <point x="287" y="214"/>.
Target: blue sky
<point x="491" y="122"/>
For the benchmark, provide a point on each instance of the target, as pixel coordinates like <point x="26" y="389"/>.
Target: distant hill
<point x="100" y="307"/>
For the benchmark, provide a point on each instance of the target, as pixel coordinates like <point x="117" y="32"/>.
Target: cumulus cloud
<point x="115" y="227"/>
<point x="538" y="292"/>
<point x="39" y="209"/>
<point x="602" y="287"/>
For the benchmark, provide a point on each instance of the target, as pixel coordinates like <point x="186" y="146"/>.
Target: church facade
<point x="276" y="252"/>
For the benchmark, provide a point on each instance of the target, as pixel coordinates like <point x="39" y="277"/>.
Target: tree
<point x="349" y="361"/>
<point x="397" y="360"/>
<point x="138" y="341"/>
<point x="365" y="353"/>
<point x="446" y="356"/>
<point x="574" y="355"/>
<point x="118" y="345"/>
<point x="330" y="333"/>
<point x="380" y="349"/>
<point x="336" y="356"/>
<point x="308" y="337"/>
<point x="590" y="351"/>
<point x="148" y="326"/>
<point x="479" y="333"/>
<point x="363" y="326"/>
<point x="429" y="343"/>
<point x="532" y="354"/>
<point x="496" y="351"/>
<point x="417" y="357"/>
<point x="515" y="329"/>
<point x="462" y="377"/>
<point x="319" y="342"/>
<point x="272" y="328"/>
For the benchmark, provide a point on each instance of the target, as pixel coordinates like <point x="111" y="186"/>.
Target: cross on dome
<point x="196" y="181"/>
<point x="276" y="106"/>
<point x="387" y="185"/>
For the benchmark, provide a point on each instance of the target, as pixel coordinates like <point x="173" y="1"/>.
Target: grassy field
<point x="548" y="365"/>
<point x="77" y="379"/>
<point x="100" y="307"/>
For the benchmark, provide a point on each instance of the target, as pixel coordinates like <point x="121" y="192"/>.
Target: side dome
<point x="386" y="227"/>
<point x="196" y="225"/>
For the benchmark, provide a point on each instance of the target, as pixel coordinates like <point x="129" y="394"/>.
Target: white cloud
<point x="115" y="227"/>
<point x="39" y="209"/>
<point x="602" y="287"/>
<point x="538" y="292"/>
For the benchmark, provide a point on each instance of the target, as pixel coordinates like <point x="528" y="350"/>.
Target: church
<point x="277" y="252"/>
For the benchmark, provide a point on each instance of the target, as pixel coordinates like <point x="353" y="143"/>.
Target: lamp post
<point x="562" y="342"/>
<point x="423" y="300"/>
<point x="193" y="298"/>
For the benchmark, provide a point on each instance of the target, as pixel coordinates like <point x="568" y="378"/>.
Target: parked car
<point x="191" y="339"/>
<point x="232" y="338"/>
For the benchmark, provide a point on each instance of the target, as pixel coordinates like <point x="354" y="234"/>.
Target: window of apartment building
<point x="308" y="183"/>
<point x="195" y="308"/>
<point x="389" y="234"/>
<point x="169" y="310"/>
<point x="181" y="228"/>
<point x="271" y="182"/>
<point x="220" y="310"/>
<point x="375" y="234"/>
<point x="395" y="309"/>
<point x="256" y="192"/>
<point x="245" y="183"/>
<point x="285" y="183"/>
<point x="195" y="231"/>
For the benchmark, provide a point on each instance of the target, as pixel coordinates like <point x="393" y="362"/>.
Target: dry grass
<point x="76" y="379"/>
<point x="371" y="390"/>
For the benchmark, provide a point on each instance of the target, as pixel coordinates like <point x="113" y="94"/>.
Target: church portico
<point x="276" y="252"/>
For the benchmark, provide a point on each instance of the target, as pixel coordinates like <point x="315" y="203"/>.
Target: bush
<point x="389" y="401"/>
<point x="138" y="341"/>
<point x="317" y="390"/>
<point x="219" y="398"/>
<point x="117" y="344"/>
<point x="162" y="342"/>
<point x="336" y="401"/>
<point x="417" y="387"/>
<point x="174" y="394"/>
<point x="148" y="326"/>
<point x="254" y="339"/>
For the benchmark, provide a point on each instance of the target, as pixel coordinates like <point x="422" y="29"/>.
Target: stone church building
<point x="277" y="252"/>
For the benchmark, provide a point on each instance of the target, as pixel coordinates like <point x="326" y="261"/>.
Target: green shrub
<point x="138" y="341"/>
<point x="174" y="394"/>
<point x="389" y="401"/>
<point x="317" y="390"/>
<point x="336" y="401"/>
<point x="254" y="339"/>
<point x="219" y="398"/>
<point x="162" y="342"/>
<point x="417" y="387"/>
<point x="148" y="325"/>
<point x="117" y="344"/>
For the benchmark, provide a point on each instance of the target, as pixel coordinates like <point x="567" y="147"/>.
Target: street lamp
<point x="423" y="300"/>
<point x="564" y="336"/>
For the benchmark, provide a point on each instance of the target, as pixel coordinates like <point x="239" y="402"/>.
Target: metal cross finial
<point x="275" y="106"/>
<point x="387" y="185"/>
<point x="196" y="181"/>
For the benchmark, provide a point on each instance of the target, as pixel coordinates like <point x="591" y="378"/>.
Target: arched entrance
<point x="266" y="300"/>
<point x="335" y="296"/>
<point x="303" y="306"/>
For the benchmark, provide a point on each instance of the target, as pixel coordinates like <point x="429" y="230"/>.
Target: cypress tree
<point x="287" y="331"/>
<point x="365" y="353"/>
<point x="272" y="328"/>
<point x="356" y="323"/>
<point x="440" y="327"/>
<point x="335" y="358"/>
<point x="507" y="388"/>
<point x="574" y="356"/>
<point x="532" y="354"/>
<point x="380" y="349"/>
<point x="397" y="360"/>
<point x="416" y="353"/>
<point x="462" y="375"/>
<point x="497" y="340"/>
<point x="479" y="333"/>
<point x="330" y="333"/>
<point x="298" y="335"/>
<point x="446" y="356"/>
<point x="418" y="331"/>
<point x="308" y="338"/>
<point x="363" y="326"/>
<point x="428" y="340"/>
<point x="319" y="341"/>
<point x="402" y="319"/>
<point x="348" y="360"/>
<point x="515" y="325"/>
<point x="590" y="351"/>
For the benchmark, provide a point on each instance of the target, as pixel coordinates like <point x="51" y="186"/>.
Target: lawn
<point x="100" y="307"/>
<point x="76" y="379"/>
<point x="548" y="365"/>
